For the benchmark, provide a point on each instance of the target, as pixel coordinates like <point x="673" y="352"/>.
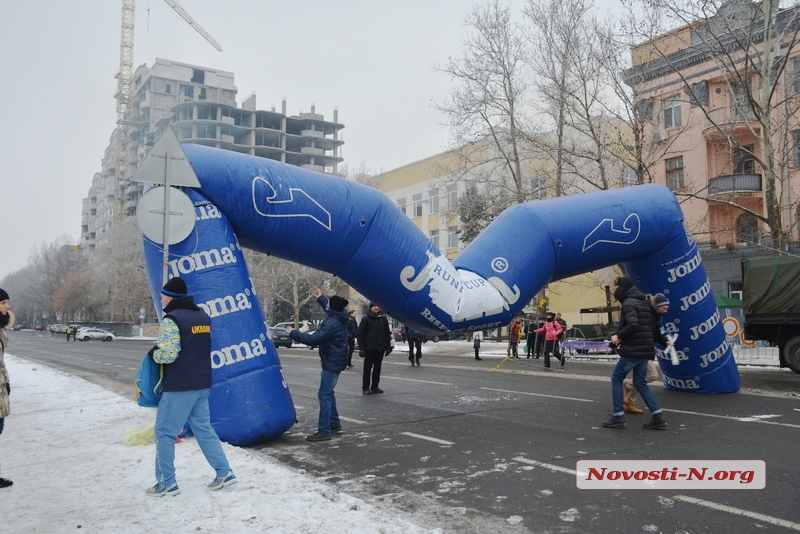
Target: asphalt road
<point x="467" y="448"/>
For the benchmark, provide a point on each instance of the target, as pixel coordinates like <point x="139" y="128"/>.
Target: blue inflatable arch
<point x="356" y="233"/>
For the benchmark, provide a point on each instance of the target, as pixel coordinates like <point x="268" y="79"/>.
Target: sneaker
<point x="225" y="480"/>
<point x="479" y="359"/>
<point x="616" y="421"/>
<point x="377" y="390"/>
<point x="319" y="437"/>
<point x="349" y="366"/>
<point x="656" y="423"/>
<point x="629" y="407"/>
<point x="337" y="430"/>
<point x="417" y="363"/>
<point x="159" y="490"/>
<point x="366" y="392"/>
<point x="412" y="364"/>
<point x="4" y="483"/>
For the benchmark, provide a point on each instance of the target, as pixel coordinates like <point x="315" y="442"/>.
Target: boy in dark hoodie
<point x="331" y="338"/>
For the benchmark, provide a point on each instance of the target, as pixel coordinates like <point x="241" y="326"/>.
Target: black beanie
<point x="338" y="303"/>
<point x="625" y="283"/>
<point x="3" y="295"/>
<point x="176" y="287"/>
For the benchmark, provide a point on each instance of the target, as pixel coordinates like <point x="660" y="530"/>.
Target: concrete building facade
<point x="200" y="105"/>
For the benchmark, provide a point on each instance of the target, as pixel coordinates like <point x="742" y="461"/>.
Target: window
<point x="796" y="75"/>
<point x="187" y="90"/>
<point x="735" y="290"/>
<point x="452" y="196"/>
<point x="452" y="237"/>
<point x="434" y="234"/>
<point x="675" y="173"/>
<point x="169" y="89"/>
<point x="472" y="189"/>
<point x="416" y="205"/>
<point x="672" y="112"/>
<point x="539" y="187"/>
<point x="433" y="196"/>
<point x="401" y="203"/>
<point x="744" y="163"/>
<point x="747" y="229"/>
<point x="796" y="136"/>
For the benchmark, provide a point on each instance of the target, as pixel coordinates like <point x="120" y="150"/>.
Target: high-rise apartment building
<point x="200" y="105"/>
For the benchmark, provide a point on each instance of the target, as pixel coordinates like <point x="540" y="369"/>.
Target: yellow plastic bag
<point x="132" y="437"/>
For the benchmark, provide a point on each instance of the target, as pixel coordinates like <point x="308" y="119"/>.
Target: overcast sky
<point x="371" y="59"/>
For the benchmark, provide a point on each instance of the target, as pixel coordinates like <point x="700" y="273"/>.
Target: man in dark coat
<point x="635" y="339"/>
<point x="331" y="339"/>
<point x="374" y="342"/>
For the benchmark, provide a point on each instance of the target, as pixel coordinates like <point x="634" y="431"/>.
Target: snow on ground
<point x="63" y="448"/>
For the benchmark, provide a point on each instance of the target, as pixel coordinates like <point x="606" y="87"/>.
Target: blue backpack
<point x="148" y="383"/>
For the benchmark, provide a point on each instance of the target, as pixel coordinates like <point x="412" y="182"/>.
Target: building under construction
<point x="200" y="105"/>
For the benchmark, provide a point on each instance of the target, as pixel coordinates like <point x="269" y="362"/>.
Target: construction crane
<point x="124" y="94"/>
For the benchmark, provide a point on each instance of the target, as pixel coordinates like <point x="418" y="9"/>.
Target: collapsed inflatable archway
<point x="359" y="235"/>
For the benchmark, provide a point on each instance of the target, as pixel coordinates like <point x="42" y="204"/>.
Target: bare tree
<point x="486" y="111"/>
<point x="52" y="263"/>
<point x="748" y="45"/>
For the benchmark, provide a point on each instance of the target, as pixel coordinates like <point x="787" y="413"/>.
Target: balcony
<point x="728" y="121"/>
<point x="735" y="183"/>
<point x="312" y="133"/>
<point x="312" y="150"/>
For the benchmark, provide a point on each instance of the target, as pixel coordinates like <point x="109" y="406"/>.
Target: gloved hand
<point x="8" y="388"/>
<point x="362" y="354"/>
<point x="388" y="352"/>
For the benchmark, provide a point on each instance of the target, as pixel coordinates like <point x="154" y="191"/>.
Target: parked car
<point x="85" y="334"/>
<point x="302" y="325"/>
<point x="58" y="328"/>
<point x="40" y="328"/>
<point x="398" y="335"/>
<point x="279" y="337"/>
<point x="20" y="327"/>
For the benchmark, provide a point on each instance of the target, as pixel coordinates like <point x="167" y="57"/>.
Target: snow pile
<point x="62" y="447"/>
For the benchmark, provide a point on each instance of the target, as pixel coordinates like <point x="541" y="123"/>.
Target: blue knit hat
<point x="175" y="287"/>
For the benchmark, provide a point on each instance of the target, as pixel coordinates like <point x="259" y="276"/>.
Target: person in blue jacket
<point x="331" y="338"/>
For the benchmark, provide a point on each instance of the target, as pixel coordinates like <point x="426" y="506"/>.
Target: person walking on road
<point x="352" y="332"/>
<point x="374" y="342"/>
<point x="659" y="305"/>
<point x="635" y="340"/>
<point x="551" y="329"/>
<point x="184" y="347"/>
<point x="415" y="340"/>
<point x="514" y="333"/>
<point x="6" y="320"/>
<point x="477" y="336"/>
<point x="331" y="338"/>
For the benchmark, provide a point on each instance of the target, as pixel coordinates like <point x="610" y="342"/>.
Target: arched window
<point x="747" y="229"/>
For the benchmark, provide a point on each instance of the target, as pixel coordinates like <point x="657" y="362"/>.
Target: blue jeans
<point x="328" y="414"/>
<point x="174" y="409"/>
<point x="639" y="367"/>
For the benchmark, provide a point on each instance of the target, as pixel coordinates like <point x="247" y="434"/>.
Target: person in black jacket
<point x="635" y="339"/>
<point x="352" y="332"/>
<point x="184" y="347"/>
<point x="374" y="342"/>
<point x="331" y="338"/>
<point x="659" y="305"/>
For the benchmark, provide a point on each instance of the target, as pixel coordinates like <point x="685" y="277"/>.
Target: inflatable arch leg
<point x="358" y="234"/>
<point x="249" y="401"/>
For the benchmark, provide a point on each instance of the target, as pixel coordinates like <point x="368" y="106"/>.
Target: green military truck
<point x="771" y="304"/>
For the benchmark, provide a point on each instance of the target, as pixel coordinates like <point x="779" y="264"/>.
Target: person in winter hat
<point x="331" y="338"/>
<point x="374" y="342"/>
<point x="184" y="347"/>
<point x="6" y="320"/>
<point x="635" y="340"/>
<point x="659" y="305"/>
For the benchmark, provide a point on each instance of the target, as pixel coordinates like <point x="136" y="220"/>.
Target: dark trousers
<point x="372" y="369"/>
<point x="414" y="344"/>
<point x="351" y="346"/>
<point x="551" y="345"/>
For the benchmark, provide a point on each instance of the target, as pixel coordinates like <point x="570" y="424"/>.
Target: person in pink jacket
<point x="552" y="329"/>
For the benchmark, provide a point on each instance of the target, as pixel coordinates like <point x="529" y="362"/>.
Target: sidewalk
<point x="62" y="447"/>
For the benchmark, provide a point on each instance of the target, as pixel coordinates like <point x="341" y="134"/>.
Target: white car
<point x="58" y="328"/>
<point x="85" y="334"/>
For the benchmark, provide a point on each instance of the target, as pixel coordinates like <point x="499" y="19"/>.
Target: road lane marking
<point x="551" y="467"/>
<point x="350" y="420"/>
<point x="538" y="394"/>
<point x="383" y="377"/>
<point x="733" y="418"/>
<point x="739" y="511"/>
<point x="428" y="438"/>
